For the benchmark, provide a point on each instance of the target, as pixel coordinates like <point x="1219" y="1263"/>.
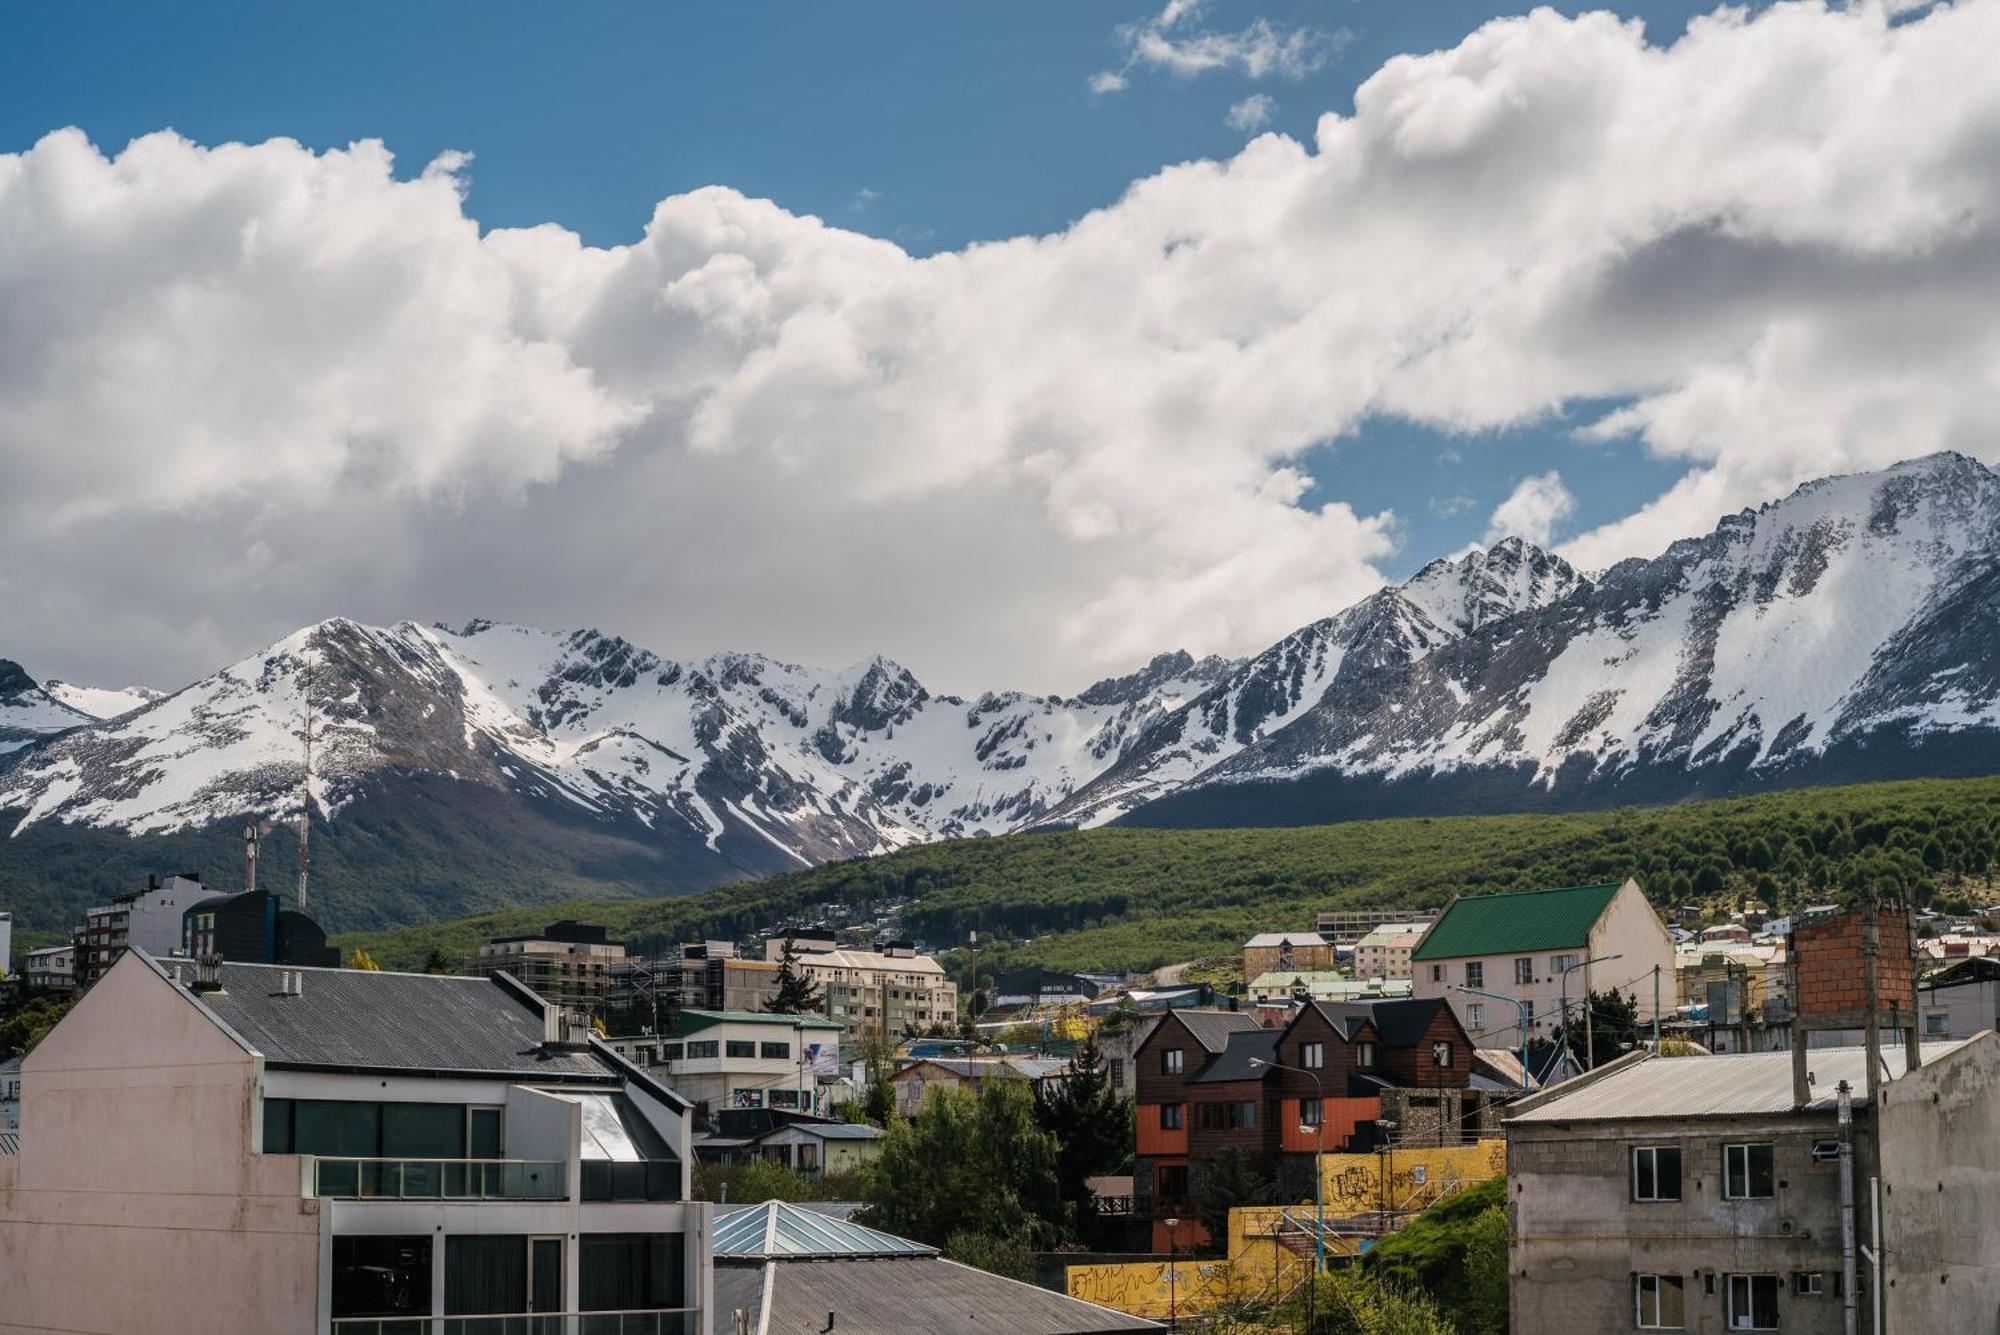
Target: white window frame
<point x="1730" y="1317"/>
<point x="1475" y="1016"/>
<point x="1364" y="1055"/>
<point x="1658" y="1319"/>
<point x="1475" y="973"/>
<point x="1524" y="970"/>
<point x="1680" y="1166"/>
<point x="1173" y="1061"/>
<point x="1735" y="1184"/>
<point x="1312" y="1056"/>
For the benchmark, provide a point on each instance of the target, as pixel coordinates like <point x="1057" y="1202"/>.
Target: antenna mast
<point x="305" y="787"/>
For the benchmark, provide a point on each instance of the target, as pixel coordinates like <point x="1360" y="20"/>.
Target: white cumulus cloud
<point x="1252" y="113"/>
<point x="1174" y="42"/>
<point x="1532" y="510"/>
<point x="241" y="385"/>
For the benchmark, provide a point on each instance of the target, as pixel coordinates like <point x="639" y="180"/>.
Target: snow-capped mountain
<point x="101" y="702"/>
<point x="1846" y="632"/>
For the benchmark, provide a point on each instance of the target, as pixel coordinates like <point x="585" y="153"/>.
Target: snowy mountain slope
<point x="28" y="712"/>
<point x="101" y="702"/>
<point x="1846" y="632"/>
<point x="1445" y="601"/>
<point x="1858" y="611"/>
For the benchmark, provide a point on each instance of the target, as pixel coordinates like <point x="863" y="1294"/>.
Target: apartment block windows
<point x="1559" y="963"/>
<point x="1437" y="973"/>
<point x="1747" y="1172"/>
<point x="1475" y="973"/>
<point x="1312" y="1056"/>
<point x="698" y="1051"/>
<point x="775" y="1051"/>
<point x="1171" y="1061"/>
<point x="1171" y="1118"/>
<point x="1524" y="970"/>
<point x="739" y="1048"/>
<point x="1658" y="1302"/>
<point x="1656" y="1173"/>
<point x="1752" y="1302"/>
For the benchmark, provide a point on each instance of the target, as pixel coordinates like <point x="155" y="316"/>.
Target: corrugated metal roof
<point x="782" y="1230"/>
<point x="1727" y="1085"/>
<point x="1523" y="921"/>
<point x="363" y="1019"/>
<point x="898" y="1296"/>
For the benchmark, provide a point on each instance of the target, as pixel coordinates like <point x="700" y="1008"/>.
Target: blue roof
<point x="780" y="1230"/>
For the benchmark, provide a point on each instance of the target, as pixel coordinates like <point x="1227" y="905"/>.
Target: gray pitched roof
<point x="1400" y="1022"/>
<point x="1233" y="1062"/>
<point x="898" y="1295"/>
<point x="353" y="1019"/>
<point x="1212" y="1029"/>
<point x="1731" y="1085"/>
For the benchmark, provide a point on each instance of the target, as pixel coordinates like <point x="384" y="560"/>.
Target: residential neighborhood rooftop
<point x="1520" y="921"/>
<point x="1212" y="1029"/>
<point x="706" y="1018"/>
<point x="1728" y="1085"/>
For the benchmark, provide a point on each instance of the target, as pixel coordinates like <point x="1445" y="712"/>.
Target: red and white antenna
<point x="305" y="785"/>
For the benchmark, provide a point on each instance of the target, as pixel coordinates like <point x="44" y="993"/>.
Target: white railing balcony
<point x="652" y="1321"/>
<point x="439" y="1179"/>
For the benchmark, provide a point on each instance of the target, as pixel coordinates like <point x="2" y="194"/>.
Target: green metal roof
<point x="694" y="1021"/>
<point x="1517" y="923"/>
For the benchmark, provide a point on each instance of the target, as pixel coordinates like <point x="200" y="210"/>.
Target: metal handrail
<point x="342" y="1178"/>
<point x="629" y="1321"/>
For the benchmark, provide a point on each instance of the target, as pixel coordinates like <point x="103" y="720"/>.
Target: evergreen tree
<point x="797" y="994"/>
<point x="437" y="963"/>
<point x="1091" y="1124"/>
<point x="969" y="1164"/>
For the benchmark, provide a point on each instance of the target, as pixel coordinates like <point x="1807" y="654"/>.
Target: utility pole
<point x="1656" y="1010"/>
<point x="1871" y="943"/>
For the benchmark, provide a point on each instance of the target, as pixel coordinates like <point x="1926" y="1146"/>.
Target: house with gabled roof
<point x="1529" y="949"/>
<point x="217" y="1146"/>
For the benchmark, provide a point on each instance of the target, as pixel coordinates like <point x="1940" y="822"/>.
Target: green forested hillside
<point x="1136" y="898"/>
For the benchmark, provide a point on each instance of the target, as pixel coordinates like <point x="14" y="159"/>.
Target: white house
<point x="242" y="1147"/>
<point x="1525" y="951"/>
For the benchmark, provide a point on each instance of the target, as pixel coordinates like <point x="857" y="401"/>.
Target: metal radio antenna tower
<point x="305" y="787"/>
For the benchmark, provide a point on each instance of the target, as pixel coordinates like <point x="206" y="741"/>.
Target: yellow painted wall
<point x="1354" y="1185"/>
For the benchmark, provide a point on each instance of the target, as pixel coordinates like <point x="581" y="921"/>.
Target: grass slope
<point x="1136" y="898"/>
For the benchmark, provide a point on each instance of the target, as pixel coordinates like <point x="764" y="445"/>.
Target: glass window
<point x="381" y="1276"/>
<point x="1559" y="964"/>
<point x="1364" y="1055"/>
<point x="337" y="1128"/>
<point x="1752" y="1302"/>
<point x="1170" y="1117"/>
<point x="1659" y="1302"/>
<point x="485" y="1274"/>
<point x="1437" y="973"/>
<point x="1173" y="1181"/>
<point x="629" y="1271"/>
<point x="1656" y="1173"/>
<point x="775" y="1051"/>
<point x="423" y="1131"/>
<point x="740" y="1048"/>
<point x="1748" y="1172"/>
<point x="696" y="1051"/>
<point x="1475" y="973"/>
<point x="671" y="1052"/>
<point x="1312" y="1056"/>
<point x="485" y="1138"/>
<point x="1248" y="1114"/>
<point x="1308" y="1112"/>
<point x="1524" y="970"/>
<point x="277" y="1126"/>
<point x="1170" y="1062"/>
<point x="1937" y="1024"/>
<point x="1475" y="1016"/>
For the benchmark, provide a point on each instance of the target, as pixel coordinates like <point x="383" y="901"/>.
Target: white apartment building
<point x="738" y="1060"/>
<point x="1385" y="952"/>
<point x="1526" y="950"/>
<point x="889" y="992"/>
<point x="334" y="1152"/>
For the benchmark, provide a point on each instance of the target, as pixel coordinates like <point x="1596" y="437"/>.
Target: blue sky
<point x="930" y="125"/>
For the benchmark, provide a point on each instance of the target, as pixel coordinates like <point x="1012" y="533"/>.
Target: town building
<point x="913" y="1083"/>
<point x="710" y="975"/>
<point x="1041" y="987"/>
<point x="1269" y="952"/>
<point x="50" y="968"/>
<point x="813" y="1148"/>
<point x="1386" y="951"/>
<point x="6" y="945"/>
<point x="568" y="963"/>
<point x="1706" y="1194"/>
<point x="722" y="1060"/>
<point x="1345" y="927"/>
<point x="253" y="927"/>
<point x="1531" y="949"/>
<point x="783" y="1269"/>
<point x="10" y="1094"/>
<point x="1280" y="988"/>
<point x="292" y="1151"/>
<point x="1961" y="999"/>
<point x="1328" y="1081"/>
<point x="889" y="992"/>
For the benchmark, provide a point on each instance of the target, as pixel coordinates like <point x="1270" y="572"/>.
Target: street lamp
<point x="1319" y="1151"/>
<point x="1526" y="1010"/>
<point x="1589" y="1038"/>
<point x="1173" y="1293"/>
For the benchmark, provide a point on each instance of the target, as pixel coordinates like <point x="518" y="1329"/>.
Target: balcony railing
<point x="440" y="1179"/>
<point x="652" y="1321"/>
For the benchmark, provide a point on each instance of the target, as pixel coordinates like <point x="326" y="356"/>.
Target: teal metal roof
<point x="694" y="1021"/>
<point x="1516" y="923"/>
<point x="780" y="1230"/>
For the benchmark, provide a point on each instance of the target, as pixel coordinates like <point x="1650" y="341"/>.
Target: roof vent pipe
<point x="552" y="1024"/>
